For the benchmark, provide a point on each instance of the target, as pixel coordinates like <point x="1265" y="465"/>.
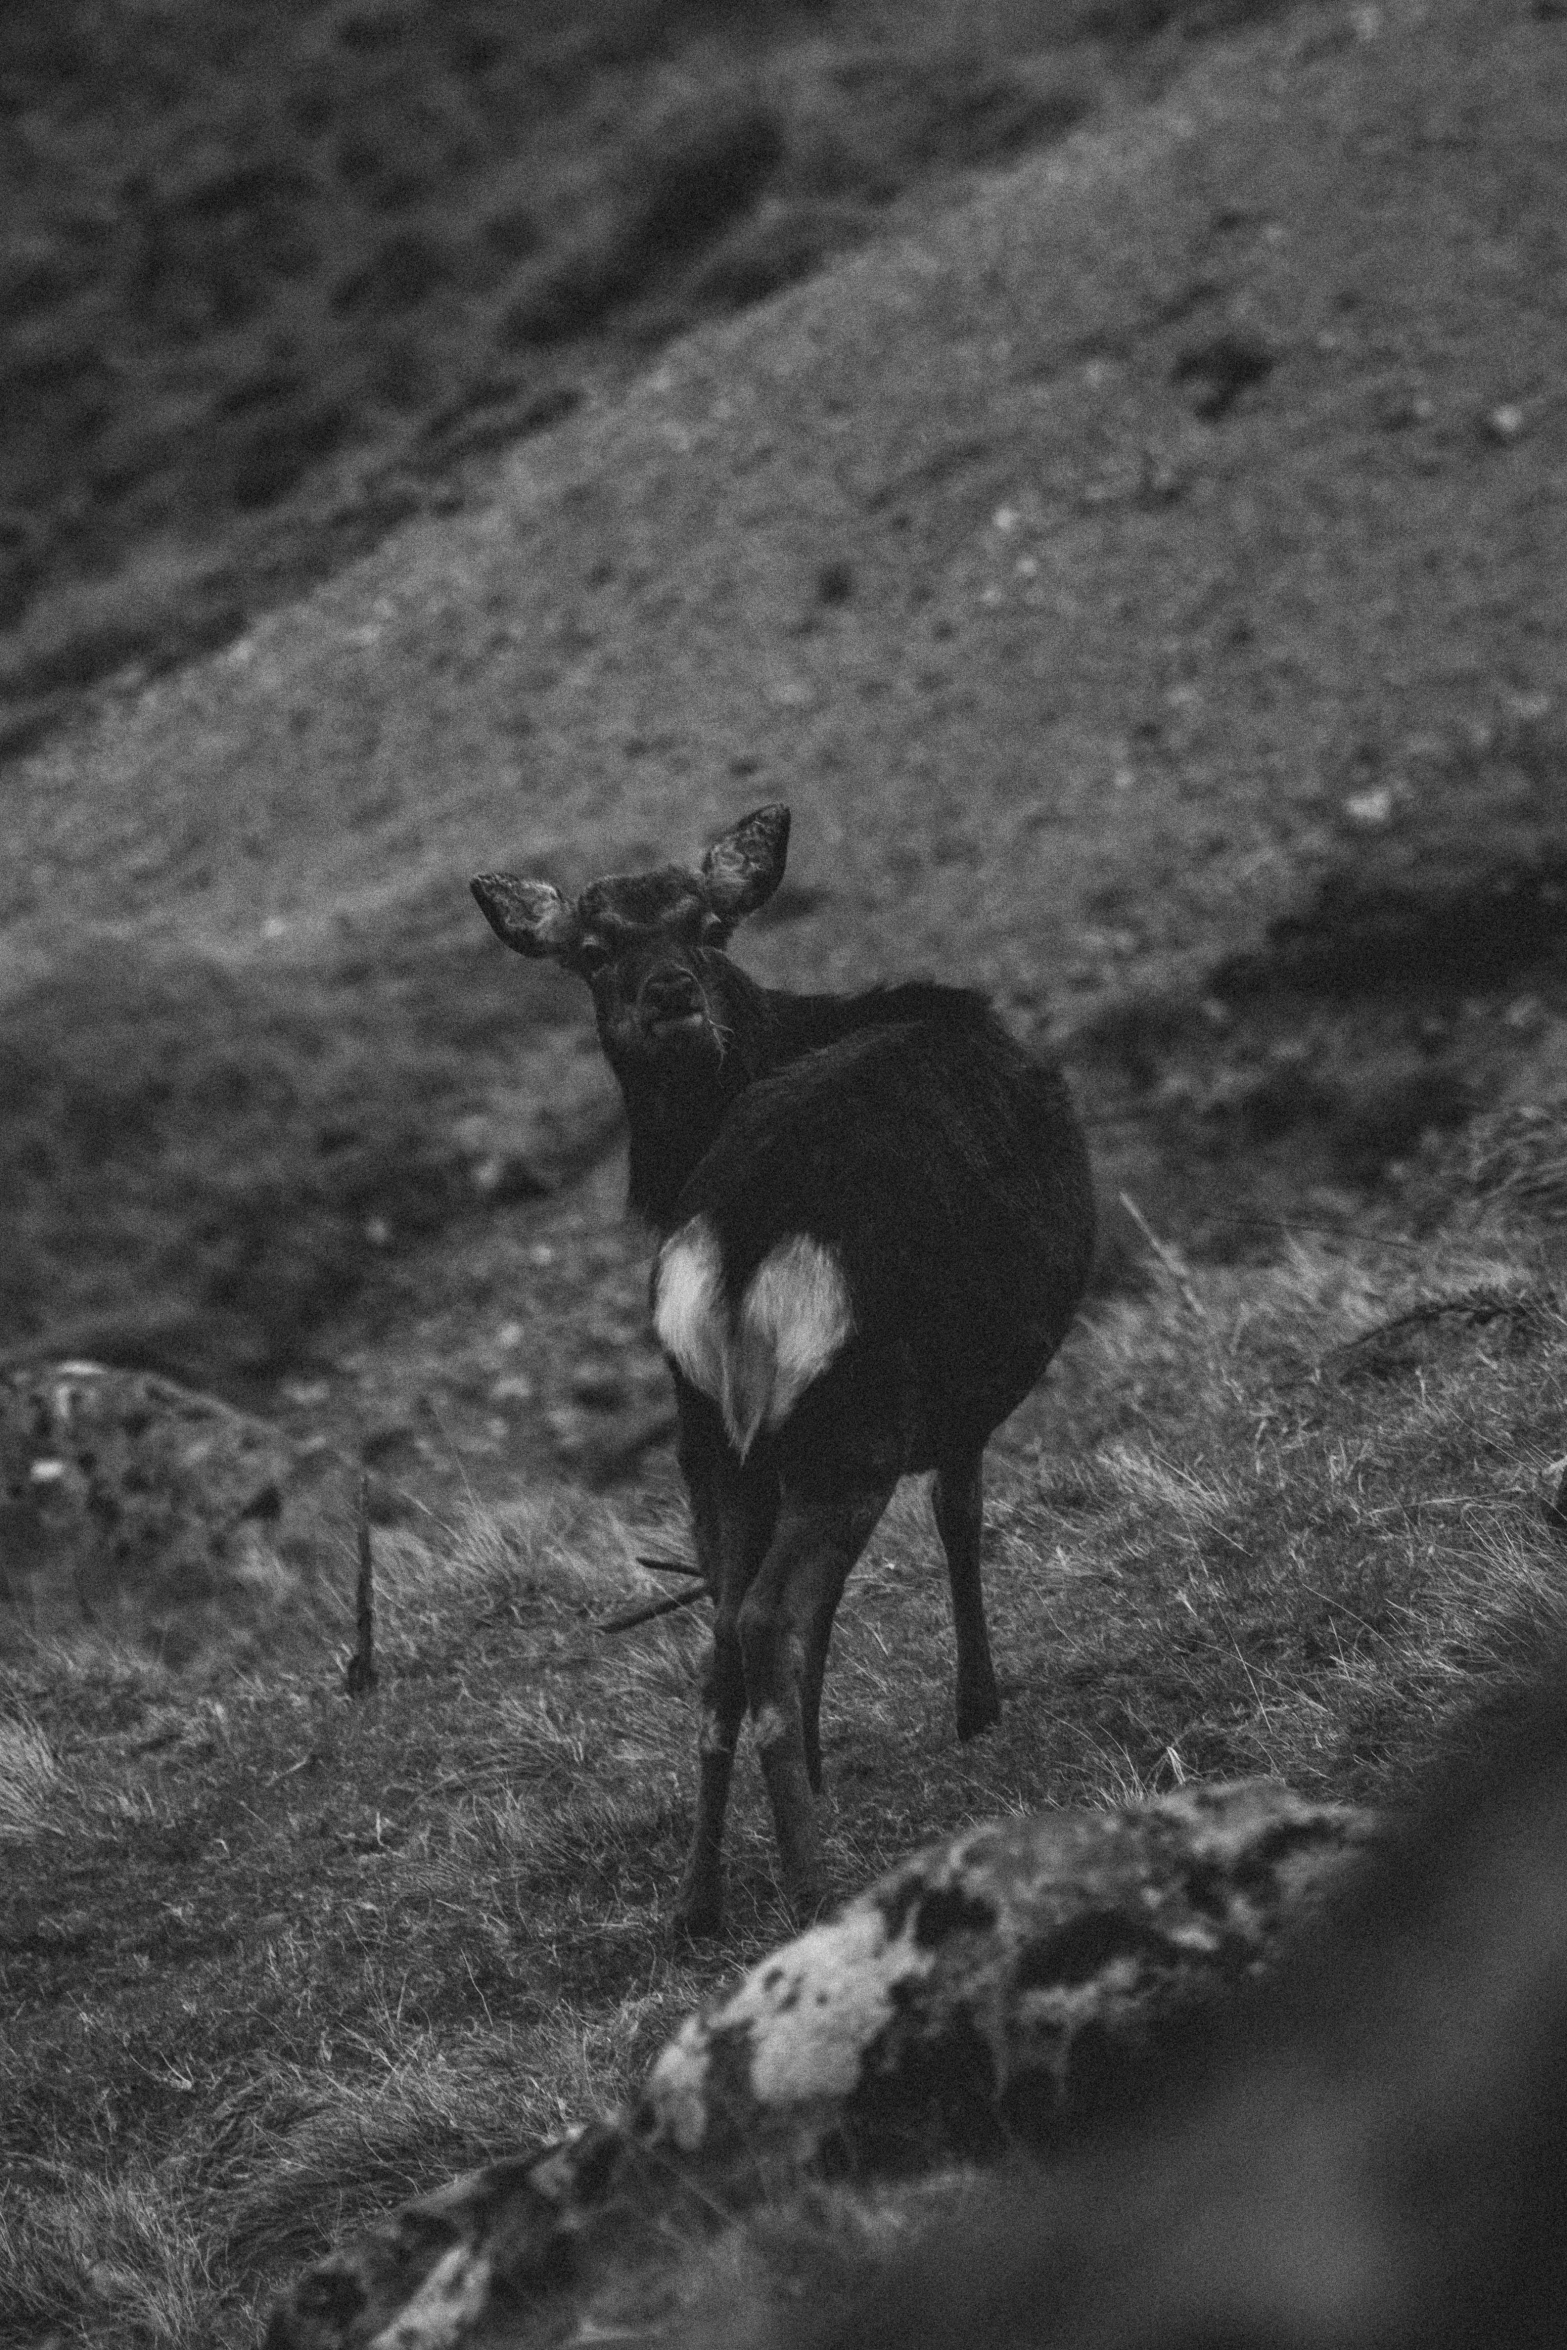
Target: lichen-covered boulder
<point x="997" y="1988"/>
<point x="130" y="1502"/>
<point x="1368" y="2151"/>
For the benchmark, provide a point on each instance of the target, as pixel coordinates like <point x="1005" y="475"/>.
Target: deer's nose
<point x="669" y="994"/>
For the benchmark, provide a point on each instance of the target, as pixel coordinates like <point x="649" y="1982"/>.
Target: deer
<point x="876" y="1222"/>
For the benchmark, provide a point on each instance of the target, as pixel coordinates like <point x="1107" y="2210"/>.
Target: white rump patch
<point x="756" y="1362"/>
<point x="689" y="1319"/>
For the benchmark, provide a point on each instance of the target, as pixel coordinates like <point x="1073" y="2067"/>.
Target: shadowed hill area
<point x="961" y="542"/>
<point x="269" y="280"/>
<point x="1098" y="571"/>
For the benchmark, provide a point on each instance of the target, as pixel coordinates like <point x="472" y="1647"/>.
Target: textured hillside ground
<point x="1165" y="545"/>
<point x="268" y="281"/>
<point x="273" y="1959"/>
<point x="1168" y="540"/>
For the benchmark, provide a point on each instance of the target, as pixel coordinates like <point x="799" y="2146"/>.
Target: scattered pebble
<point x="1160" y="480"/>
<point x="503" y="1176"/>
<point x="565" y="1426"/>
<point x="1370" y="811"/>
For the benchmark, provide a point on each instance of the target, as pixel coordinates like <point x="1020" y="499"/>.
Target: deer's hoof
<point x="697" y="1914"/>
<point x="977" y="1714"/>
<point x="809" y="1901"/>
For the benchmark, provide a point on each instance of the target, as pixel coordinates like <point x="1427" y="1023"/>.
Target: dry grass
<point x="277" y="1960"/>
<point x="28" y="1777"/>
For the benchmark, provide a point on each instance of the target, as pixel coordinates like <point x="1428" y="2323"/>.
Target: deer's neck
<point x="674" y="1119"/>
<point x="676" y="1109"/>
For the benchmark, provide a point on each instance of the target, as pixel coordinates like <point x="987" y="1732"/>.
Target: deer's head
<point x="650" y="945"/>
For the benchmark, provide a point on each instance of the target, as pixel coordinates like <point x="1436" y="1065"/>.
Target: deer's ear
<point x="530" y="916"/>
<point x="743" y="867"/>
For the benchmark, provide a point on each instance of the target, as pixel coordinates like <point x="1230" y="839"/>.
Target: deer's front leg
<point x="958" y="1503"/>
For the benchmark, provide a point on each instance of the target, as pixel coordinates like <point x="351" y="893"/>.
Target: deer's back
<point x="944" y="1169"/>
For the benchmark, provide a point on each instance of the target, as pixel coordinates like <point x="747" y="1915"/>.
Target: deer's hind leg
<point x="733" y="1510"/>
<point x="785" y="1624"/>
<point x="957" y="1498"/>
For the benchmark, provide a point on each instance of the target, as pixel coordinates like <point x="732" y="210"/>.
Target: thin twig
<point x="359" y="1674"/>
<point x="668" y="1566"/>
<point x="1166" y="1255"/>
<point x="428" y="1405"/>
<point x="655" y="1607"/>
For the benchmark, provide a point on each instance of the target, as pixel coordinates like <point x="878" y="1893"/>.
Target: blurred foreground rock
<point x="1368" y="2153"/>
<point x="134" y="1504"/>
<point x="1004" y="1987"/>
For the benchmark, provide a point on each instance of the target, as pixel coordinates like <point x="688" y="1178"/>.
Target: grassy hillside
<point x="1146" y="581"/>
<point x="274" y="1959"/>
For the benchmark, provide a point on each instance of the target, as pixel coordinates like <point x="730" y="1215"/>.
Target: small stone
<point x="1370" y="811"/>
<point x="565" y="1427"/>
<point x="503" y="1176"/>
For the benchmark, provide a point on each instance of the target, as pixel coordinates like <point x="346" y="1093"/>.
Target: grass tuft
<point x="29" y="1776"/>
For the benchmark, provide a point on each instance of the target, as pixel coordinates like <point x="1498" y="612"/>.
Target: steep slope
<point x="1065" y="588"/>
<point x="1092" y="572"/>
